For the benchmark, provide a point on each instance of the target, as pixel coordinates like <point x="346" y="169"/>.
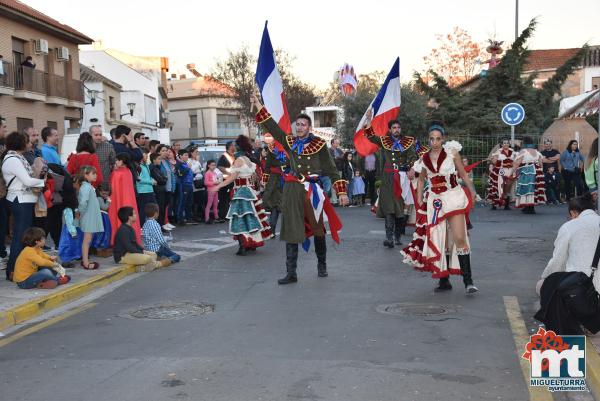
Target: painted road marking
<point x="42" y="325"/>
<point x="521" y="337"/>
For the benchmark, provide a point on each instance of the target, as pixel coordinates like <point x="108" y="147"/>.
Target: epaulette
<point x="406" y="142"/>
<point x="315" y="145"/>
<point x="422" y="150"/>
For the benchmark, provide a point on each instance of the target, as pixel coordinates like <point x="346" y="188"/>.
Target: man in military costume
<point x="272" y="179"/>
<point x="397" y="154"/>
<point x="303" y="200"/>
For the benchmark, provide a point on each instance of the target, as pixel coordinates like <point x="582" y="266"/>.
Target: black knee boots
<point x="389" y="230"/>
<point x="321" y="251"/>
<point x="465" y="269"/>
<point x="291" y="259"/>
<point x="399" y="228"/>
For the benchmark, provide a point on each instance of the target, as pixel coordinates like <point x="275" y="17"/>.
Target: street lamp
<point x="131" y="108"/>
<point x="93" y="94"/>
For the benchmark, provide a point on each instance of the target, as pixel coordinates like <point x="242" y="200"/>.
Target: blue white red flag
<point x="270" y="85"/>
<point x="386" y="106"/>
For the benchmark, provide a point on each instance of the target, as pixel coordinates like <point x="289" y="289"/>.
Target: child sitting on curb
<point x="126" y="249"/>
<point x="154" y="240"/>
<point x="34" y="268"/>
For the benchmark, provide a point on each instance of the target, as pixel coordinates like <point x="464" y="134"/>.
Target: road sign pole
<point x="512" y="135"/>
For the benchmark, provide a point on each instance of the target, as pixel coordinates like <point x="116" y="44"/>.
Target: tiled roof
<point x="27" y="11"/>
<point x="198" y="87"/>
<point x="548" y="59"/>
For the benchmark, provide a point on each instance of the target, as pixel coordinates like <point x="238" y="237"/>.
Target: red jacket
<point x="78" y="160"/>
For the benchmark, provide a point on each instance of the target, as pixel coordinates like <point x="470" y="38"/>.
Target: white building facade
<point x="139" y="98"/>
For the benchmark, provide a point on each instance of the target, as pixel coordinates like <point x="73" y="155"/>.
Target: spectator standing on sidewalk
<point x="50" y="146"/>
<point x="123" y="143"/>
<point x="123" y="195"/>
<point x="369" y="168"/>
<point x="211" y="181"/>
<point x="186" y="199"/>
<point x="85" y="156"/>
<point x="18" y="175"/>
<point x="144" y="188"/>
<point x="160" y="183"/>
<point x="3" y="204"/>
<point x="90" y="219"/>
<point x="104" y="151"/>
<point x="571" y="161"/>
<point x="347" y="167"/>
<point x="32" y="146"/>
<point x="168" y="171"/>
<point x="140" y="139"/>
<point x="224" y="164"/>
<point x="199" y="188"/>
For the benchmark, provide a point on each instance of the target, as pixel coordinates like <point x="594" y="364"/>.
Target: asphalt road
<point x="321" y="339"/>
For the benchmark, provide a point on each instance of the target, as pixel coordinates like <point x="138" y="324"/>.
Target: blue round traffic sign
<point x="513" y="114"/>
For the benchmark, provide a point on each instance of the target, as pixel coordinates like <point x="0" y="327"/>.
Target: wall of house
<point x="127" y="77"/>
<point x="590" y="73"/>
<point x="206" y="110"/>
<point x="10" y="29"/>
<point x="39" y="112"/>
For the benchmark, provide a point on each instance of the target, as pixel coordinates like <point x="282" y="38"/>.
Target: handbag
<point x="578" y="292"/>
<point x="199" y="184"/>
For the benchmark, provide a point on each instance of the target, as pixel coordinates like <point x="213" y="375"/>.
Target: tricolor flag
<point x="386" y="107"/>
<point x="270" y="85"/>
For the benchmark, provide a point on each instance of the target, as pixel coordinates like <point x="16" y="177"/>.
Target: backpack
<point x="3" y="185"/>
<point x="62" y="182"/>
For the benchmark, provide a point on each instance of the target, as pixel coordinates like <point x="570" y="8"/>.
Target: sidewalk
<point x="18" y="306"/>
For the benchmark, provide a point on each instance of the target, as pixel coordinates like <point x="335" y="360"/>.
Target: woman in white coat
<point x="21" y="199"/>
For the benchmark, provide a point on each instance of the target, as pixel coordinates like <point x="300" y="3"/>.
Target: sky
<point x="321" y="35"/>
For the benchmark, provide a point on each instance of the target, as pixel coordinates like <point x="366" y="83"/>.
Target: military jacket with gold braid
<point x="314" y="158"/>
<point x="395" y="159"/>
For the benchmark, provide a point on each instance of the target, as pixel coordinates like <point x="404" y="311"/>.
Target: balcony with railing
<point x="30" y="84"/>
<point x="75" y="93"/>
<point x="7" y="83"/>
<point x="57" y="90"/>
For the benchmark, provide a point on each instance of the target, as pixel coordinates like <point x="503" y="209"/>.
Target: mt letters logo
<point x="557" y="362"/>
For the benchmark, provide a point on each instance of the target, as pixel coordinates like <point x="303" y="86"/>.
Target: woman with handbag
<point x="20" y="195"/>
<point x="569" y="287"/>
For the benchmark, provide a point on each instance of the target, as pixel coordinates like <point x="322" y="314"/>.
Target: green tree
<point x="477" y="110"/>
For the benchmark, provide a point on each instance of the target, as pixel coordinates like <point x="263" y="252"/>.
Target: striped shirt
<point x="153" y="237"/>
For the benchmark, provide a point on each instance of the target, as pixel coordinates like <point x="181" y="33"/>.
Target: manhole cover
<point x="171" y="311"/>
<point x="414" y="309"/>
<point x="521" y="240"/>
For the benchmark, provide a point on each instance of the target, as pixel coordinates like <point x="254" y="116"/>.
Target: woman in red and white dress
<point x="501" y="176"/>
<point x="441" y="222"/>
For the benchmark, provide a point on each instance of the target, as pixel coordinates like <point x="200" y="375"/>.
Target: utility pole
<point x="516" y="19"/>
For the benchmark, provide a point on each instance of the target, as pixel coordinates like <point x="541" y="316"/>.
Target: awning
<point x="580" y="106"/>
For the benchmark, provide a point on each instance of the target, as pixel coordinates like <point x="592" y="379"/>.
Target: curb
<point x="38" y="306"/>
<point x="592" y="368"/>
